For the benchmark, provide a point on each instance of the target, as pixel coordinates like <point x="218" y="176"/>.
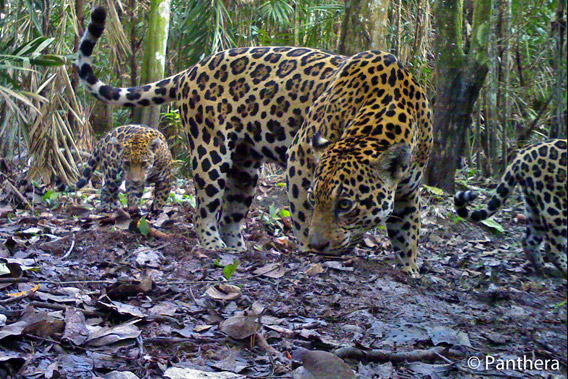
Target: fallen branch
<point x="17" y="193"/>
<point x="20" y="296"/>
<point x="379" y="355"/>
<point x="14" y="280"/>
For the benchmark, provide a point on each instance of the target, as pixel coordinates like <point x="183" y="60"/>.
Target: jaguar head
<point x="353" y="189"/>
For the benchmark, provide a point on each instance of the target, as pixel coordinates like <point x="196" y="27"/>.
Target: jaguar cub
<point x="137" y="154"/>
<point x="540" y="170"/>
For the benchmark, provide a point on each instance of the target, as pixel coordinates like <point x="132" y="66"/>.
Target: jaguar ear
<point x="114" y="141"/>
<point x="155" y="143"/>
<point x="394" y="160"/>
<point x="319" y="144"/>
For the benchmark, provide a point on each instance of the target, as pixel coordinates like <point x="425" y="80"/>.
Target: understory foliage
<point x="46" y="118"/>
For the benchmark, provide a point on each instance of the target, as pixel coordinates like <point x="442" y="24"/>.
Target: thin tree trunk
<point x="364" y="26"/>
<point x="558" y="125"/>
<point x="154" y="63"/>
<point x="507" y="34"/>
<point x="459" y="81"/>
<point x="491" y="121"/>
<point x="396" y="47"/>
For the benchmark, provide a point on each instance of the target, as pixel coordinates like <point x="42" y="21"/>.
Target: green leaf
<point x="284" y="213"/>
<point x="143" y="226"/>
<point x="50" y="195"/>
<point x="122" y="199"/>
<point x="229" y="269"/>
<point x="49" y="60"/>
<point x="280" y="184"/>
<point x="493" y="225"/>
<point x="434" y="190"/>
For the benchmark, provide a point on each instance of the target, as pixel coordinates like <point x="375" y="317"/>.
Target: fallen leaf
<point x="314" y="269"/>
<point x="14" y="329"/>
<point x="240" y="327"/>
<point x="76" y="330"/>
<point x="271" y="270"/>
<point x="186" y="373"/>
<point x="101" y="336"/>
<point x="165" y="308"/>
<point x="223" y="291"/>
<point x="322" y="365"/>
<point x="442" y="334"/>
<point x="120" y="375"/>
<point x="124" y="309"/>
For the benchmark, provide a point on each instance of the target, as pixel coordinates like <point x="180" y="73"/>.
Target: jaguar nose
<point x="318" y="245"/>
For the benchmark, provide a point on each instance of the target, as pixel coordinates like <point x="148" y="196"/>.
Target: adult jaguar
<point x="358" y="159"/>
<point x="137" y="154"/>
<point x="241" y="107"/>
<point x="540" y="171"/>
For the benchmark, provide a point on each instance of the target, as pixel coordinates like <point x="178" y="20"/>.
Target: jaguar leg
<point x="210" y="180"/>
<point x="162" y="189"/>
<point x="535" y="234"/>
<point x="239" y="194"/>
<point x="299" y="174"/>
<point x="403" y="227"/>
<point x="556" y="243"/>
<point x="113" y="178"/>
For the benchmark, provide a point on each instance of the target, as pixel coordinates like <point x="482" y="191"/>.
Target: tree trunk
<point x="558" y="124"/>
<point x="459" y="80"/>
<point x="364" y="26"/>
<point x="492" y="110"/>
<point x="154" y="63"/>
<point x="505" y="93"/>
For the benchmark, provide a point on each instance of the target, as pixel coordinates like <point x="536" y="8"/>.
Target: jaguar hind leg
<point x="210" y="169"/>
<point x="535" y="234"/>
<point x="239" y="194"/>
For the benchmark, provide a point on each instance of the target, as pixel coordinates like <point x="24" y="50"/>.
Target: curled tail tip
<point x="98" y="15"/>
<point x="463" y="197"/>
<point x="97" y="24"/>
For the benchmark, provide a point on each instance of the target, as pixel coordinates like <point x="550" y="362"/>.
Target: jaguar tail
<point x="156" y="93"/>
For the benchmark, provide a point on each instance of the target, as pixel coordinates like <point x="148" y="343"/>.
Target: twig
<point x="378" y="355"/>
<point x="70" y="250"/>
<point x="175" y="340"/>
<point x="107" y="281"/>
<point x="14" y="280"/>
<point x="15" y="190"/>
<point x="15" y="299"/>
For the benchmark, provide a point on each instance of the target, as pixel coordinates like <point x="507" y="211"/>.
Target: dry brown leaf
<point x="314" y="269"/>
<point x="240" y="327"/>
<point x="224" y="292"/>
<point x="271" y="270"/>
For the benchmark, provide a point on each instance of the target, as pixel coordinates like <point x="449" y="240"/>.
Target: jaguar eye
<point x="310" y="197"/>
<point x="344" y="205"/>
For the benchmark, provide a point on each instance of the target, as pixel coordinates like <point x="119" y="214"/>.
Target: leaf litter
<point x="119" y="295"/>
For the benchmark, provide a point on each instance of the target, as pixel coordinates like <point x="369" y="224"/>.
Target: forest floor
<point x="85" y="295"/>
